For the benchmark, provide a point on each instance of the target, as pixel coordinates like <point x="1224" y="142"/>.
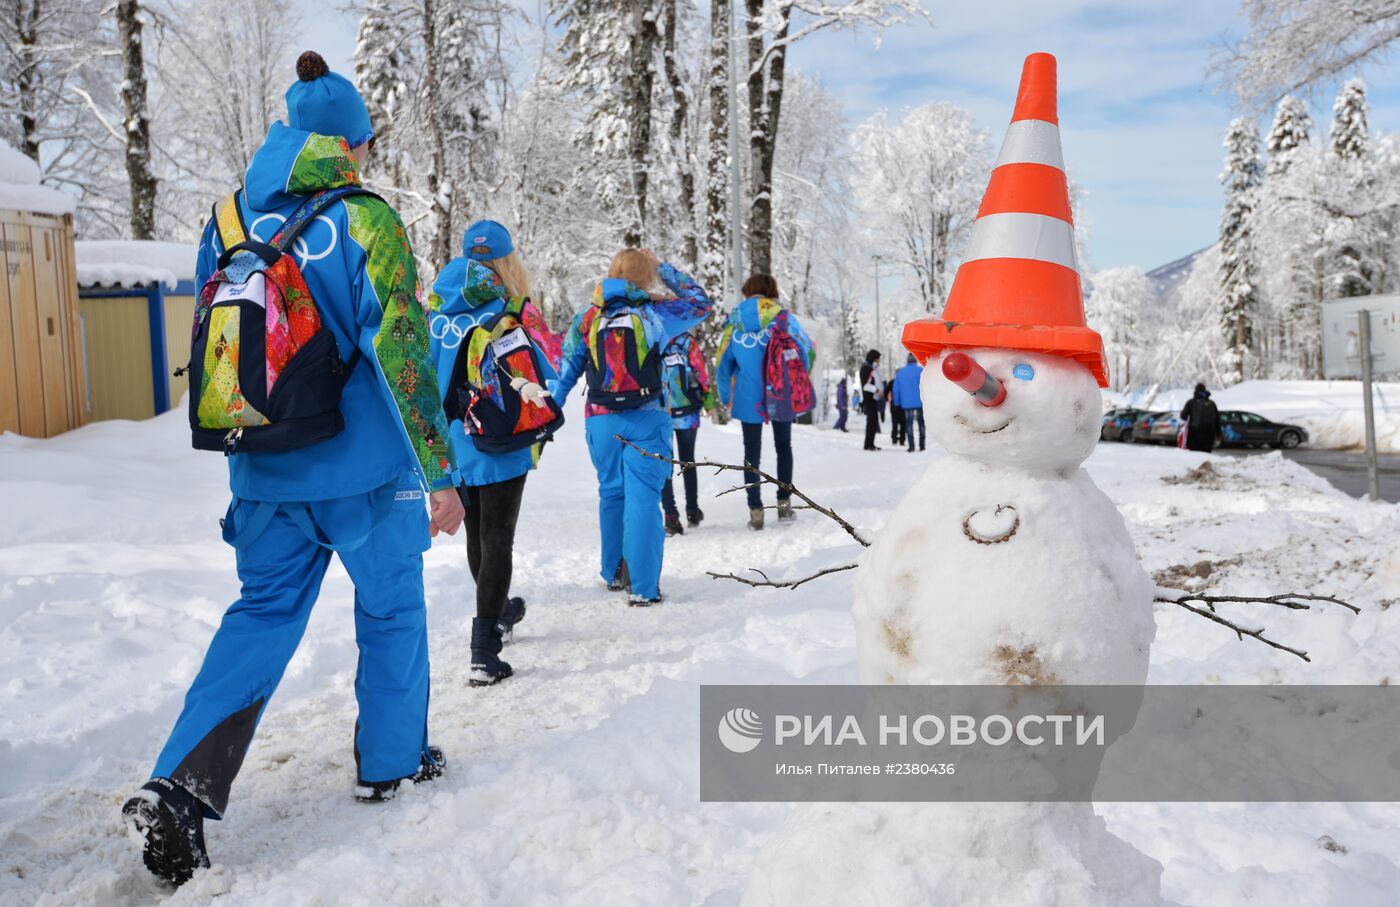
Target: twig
<point x="779" y="584"/>
<point x="1293" y="601"/>
<point x="785" y="486"/>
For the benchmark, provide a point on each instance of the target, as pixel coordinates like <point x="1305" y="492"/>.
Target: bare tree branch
<point x="779" y="584"/>
<point x="1293" y="601"/>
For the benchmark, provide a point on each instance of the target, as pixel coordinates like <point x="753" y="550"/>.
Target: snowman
<point x="1004" y="564"/>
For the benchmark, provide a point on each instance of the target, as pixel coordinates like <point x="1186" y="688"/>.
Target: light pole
<point x="736" y="239"/>
<point x="879" y="325"/>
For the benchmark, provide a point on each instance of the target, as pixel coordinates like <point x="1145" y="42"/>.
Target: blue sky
<point x="1140" y="123"/>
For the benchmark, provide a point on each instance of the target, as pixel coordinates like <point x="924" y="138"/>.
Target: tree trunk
<point x="140" y="178"/>
<point x="439" y="188"/>
<point x="679" y="118"/>
<point x="27" y="78"/>
<point x="717" y="156"/>
<point x="640" y="78"/>
<point x="765" y="112"/>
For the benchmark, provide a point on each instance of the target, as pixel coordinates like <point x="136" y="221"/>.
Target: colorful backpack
<point x="623" y="368"/>
<point x="787" y="390"/>
<point x="682" y="383"/>
<point x="495" y="416"/>
<point x="265" y="373"/>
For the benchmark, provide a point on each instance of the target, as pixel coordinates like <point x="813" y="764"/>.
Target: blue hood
<point x="292" y="163"/>
<point x="616" y="293"/>
<point x="465" y="285"/>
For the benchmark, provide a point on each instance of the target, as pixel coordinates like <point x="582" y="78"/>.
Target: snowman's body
<point x="1005" y="563"/>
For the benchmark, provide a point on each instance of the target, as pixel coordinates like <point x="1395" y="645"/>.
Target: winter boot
<point x="434" y="764"/>
<point x="487" y="667"/>
<point x="512" y="613"/>
<point x="785" y="512"/>
<point x="621" y="580"/>
<point x="755" y="518"/>
<point x="694" y="516"/>
<point x="673" y="525"/>
<point x="168" y="822"/>
<point x="641" y="601"/>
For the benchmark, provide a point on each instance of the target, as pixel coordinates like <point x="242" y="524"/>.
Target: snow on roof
<point x="20" y="189"/>
<point x="133" y="263"/>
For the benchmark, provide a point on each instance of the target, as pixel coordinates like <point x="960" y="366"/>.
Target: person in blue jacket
<point x="689" y="394"/>
<point x="907" y="398"/>
<point x="359" y="495"/>
<point x="644" y="303"/>
<point x="739" y="383"/>
<point x="471" y="291"/>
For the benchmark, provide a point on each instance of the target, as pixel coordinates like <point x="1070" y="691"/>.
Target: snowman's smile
<point x="982" y="431"/>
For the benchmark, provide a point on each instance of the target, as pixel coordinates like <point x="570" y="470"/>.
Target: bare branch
<point x="785" y="486"/>
<point x="780" y="584"/>
<point x="1293" y="601"/>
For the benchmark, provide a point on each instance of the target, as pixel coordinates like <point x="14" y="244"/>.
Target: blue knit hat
<point x="490" y="235"/>
<point x="326" y="103"/>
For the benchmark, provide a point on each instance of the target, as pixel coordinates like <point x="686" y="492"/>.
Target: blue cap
<point x="327" y="103"/>
<point x="490" y="234"/>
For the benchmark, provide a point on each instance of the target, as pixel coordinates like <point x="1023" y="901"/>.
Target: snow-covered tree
<point x="919" y="182"/>
<point x="384" y="70"/>
<point x="1349" y="141"/>
<point x="1291" y="131"/>
<point x="1121" y="305"/>
<point x="136" y="120"/>
<point x="1239" y="270"/>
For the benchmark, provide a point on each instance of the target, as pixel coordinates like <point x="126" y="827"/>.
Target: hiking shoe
<point x="785" y="512"/>
<point x="168" y="823"/>
<point x="755" y="518"/>
<point x="641" y="601"/>
<point x="433" y="765"/>
<point x="621" y="580"/>
<point x="693" y="517"/>
<point x="512" y="613"/>
<point x="487" y="667"/>
<point x="673" y="525"/>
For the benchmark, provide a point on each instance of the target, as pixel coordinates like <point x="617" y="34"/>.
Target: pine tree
<point x="1349" y="129"/>
<point x="1353" y="273"/>
<point x="1238" y="270"/>
<point x="1292" y="130"/>
<point x="384" y="66"/>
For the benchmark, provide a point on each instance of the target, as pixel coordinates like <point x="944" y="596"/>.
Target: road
<point x="1345" y="469"/>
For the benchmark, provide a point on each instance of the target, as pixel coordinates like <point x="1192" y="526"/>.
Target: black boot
<point x="785" y="512"/>
<point x="512" y="613"/>
<point x="621" y="580"/>
<point x="433" y="765"/>
<point x="673" y="525"/>
<point x="168" y="822"/>
<point x="487" y="667"/>
<point x="693" y="516"/>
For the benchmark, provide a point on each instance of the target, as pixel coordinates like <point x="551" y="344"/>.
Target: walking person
<point x="479" y="300"/>
<point x="1202" y="421"/>
<point x="616" y="344"/>
<point x="843" y="404"/>
<point x="339" y="461"/>
<point x="907" y="397"/>
<point x="871" y="397"/>
<point x="745" y="382"/>
<point x="688" y="394"/>
<point x="896" y="414"/>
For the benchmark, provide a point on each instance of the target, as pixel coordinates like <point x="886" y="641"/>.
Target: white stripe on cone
<point x="1017" y="235"/>
<point x="1032" y="142"/>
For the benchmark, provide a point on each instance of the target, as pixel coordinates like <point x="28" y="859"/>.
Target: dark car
<point x="1118" y="424"/>
<point x="1241" y="429"/>
<point x="1142" y="428"/>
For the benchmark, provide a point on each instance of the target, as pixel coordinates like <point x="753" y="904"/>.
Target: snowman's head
<point x="1049" y="419"/>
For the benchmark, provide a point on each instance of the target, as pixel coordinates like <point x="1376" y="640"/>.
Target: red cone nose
<point x="963" y="370"/>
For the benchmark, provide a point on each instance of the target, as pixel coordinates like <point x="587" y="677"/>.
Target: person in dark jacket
<point x="843" y="405"/>
<point x="872" y="390"/>
<point x="1202" y="421"/>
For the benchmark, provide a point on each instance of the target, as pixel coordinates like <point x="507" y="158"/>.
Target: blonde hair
<point x="638" y="268"/>
<point x="512" y="272"/>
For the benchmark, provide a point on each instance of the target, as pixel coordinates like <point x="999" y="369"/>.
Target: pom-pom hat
<point x="327" y="103"/>
<point x="487" y="235"/>
<point x="1018" y="284"/>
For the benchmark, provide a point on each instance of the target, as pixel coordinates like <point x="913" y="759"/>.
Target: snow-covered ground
<point x="576" y="781"/>
<point x="1331" y="411"/>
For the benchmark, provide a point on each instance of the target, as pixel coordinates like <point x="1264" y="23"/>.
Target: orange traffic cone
<point x="1018" y="285"/>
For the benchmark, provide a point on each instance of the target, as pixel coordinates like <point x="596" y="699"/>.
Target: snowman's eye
<point x="1023" y="371"/>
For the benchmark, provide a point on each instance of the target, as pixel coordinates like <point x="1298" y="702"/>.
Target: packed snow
<point x="576" y="781"/>
<point x="134" y="263"/>
<point x="1330" y="411"/>
<point x="20" y="189"/>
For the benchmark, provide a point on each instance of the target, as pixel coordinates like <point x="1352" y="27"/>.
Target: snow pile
<point x="20" y="188"/>
<point x="134" y="263"/>
<point x="1330" y="411"/>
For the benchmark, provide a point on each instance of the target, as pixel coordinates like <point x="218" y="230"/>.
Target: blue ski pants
<point x="629" y="493"/>
<point x="283" y="550"/>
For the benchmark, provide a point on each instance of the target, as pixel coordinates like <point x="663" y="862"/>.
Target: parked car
<point x="1242" y="429"/>
<point x="1165" y="428"/>
<point x="1142" y="428"/>
<point x="1118" y="424"/>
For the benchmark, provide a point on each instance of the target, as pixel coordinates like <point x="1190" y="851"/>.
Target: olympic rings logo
<point x="451" y="330"/>
<point x="299" y="247"/>
<point x="749" y="341"/>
